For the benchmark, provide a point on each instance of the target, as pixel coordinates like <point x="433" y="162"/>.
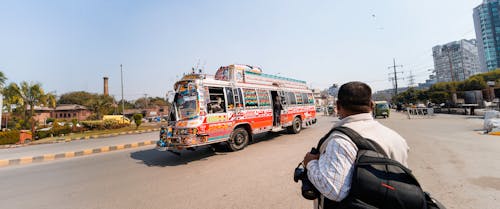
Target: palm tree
<point x="2" y="83"/>
<point x="2" y="79"/>
<point x="101" y="105"/>
<point x="29" y="94"/>
<point x="52" y="102"/>
<point x="11" y="98"/>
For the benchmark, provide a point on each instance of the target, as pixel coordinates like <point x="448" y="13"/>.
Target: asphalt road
<point x="450" y="158"/>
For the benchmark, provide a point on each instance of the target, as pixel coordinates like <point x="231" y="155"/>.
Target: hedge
<point x="100" y="125"/>
<point x="9" y="137"/>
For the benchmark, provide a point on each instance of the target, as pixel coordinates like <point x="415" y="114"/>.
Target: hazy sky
<point x="69" y="45"/>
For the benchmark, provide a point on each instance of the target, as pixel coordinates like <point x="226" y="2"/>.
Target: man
<point x="217" y="107"/>
<point x="331" y="171"/>
<point x="277" y="110"/>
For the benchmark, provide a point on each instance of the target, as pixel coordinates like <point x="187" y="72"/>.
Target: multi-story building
<point x="487" y="25"/>
<point x="456" y="61"/>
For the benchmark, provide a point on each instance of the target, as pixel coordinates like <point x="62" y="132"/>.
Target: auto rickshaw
<point x="381" y="109"/>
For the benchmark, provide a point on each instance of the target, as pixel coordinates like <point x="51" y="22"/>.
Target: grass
<point x="98" y="133"/>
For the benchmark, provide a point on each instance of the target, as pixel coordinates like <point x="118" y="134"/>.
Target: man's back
<point x="393" y="144"/>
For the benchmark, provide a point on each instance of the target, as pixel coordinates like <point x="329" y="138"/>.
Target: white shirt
<point x="332" y="173"/>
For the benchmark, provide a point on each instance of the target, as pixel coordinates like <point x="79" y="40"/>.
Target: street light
<point x="123" y="101"/>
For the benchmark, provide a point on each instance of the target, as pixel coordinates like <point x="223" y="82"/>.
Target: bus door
<point x="282" y="101"/>
<point x="218" y="124"/>
<point x="232" y="103"/>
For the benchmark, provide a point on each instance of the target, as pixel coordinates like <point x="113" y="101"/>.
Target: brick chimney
<point x="106" y="92"/>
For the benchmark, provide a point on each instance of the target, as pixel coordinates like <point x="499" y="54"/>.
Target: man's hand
<point x="310" y="157"/>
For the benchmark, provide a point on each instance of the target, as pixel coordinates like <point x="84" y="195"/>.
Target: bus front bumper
<point x="181" y="142"/>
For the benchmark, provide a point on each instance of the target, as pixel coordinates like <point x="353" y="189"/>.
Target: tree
<point x="10" y="98"/>
<point x="138" y="120"/>
<point x="28" y="95"/>
<point x="78" y="97"/>
<point x="52" y="102"/>
<point x="158" y="101"/>
<point x="2" y="79"/>
<point x="101" y="105"/>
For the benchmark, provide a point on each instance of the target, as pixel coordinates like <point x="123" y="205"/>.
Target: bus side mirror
<point x="170" y="96"/>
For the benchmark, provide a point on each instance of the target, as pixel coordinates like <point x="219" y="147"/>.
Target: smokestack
<point x="106" y="92"/>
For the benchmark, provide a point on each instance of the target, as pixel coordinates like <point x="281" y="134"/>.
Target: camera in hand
<point x="308" y="190"/>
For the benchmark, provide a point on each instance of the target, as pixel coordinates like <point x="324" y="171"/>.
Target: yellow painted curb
<point x="134" y="145"/>
<point x="69" y="154"/>
<point x="87" y="152"/>
<point x="94" y="136"/>
<point x="104" y="149"/>
<point x="26" y="160"/>
<point x="494" y="133"/>
<point x="120" y="146"/>
<point x="49" y="157"/>
<point x="67" y="140"/>
<point x="147" y="142"/>
<point x="4" y="163"/>
<point x="87" y="137"/>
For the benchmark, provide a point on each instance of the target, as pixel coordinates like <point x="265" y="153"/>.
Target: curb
<point x="50" y="157"/>
<point x="63" y="140"/>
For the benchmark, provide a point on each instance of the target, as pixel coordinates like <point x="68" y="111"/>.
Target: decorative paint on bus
<point x="233" y="105"/>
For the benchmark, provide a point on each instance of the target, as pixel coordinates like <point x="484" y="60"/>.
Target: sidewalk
<point x="45" y="152"/>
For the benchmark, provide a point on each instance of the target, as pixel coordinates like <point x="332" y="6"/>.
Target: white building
<point x="456" y="61"/>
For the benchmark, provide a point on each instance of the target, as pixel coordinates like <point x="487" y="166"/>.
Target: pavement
<point x="73" y="148"/>
<point x="449" y="156"/>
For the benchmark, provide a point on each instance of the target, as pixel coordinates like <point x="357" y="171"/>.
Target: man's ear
<point x="372" y="104"/>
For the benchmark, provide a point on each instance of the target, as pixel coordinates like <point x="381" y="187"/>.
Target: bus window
<point x="264" y="98"/>
<point x="250" y="98"/>
<point x="291" y="98"/>
<point x="229" y="98"/>
<point x="305" y="100"/>
<point x="217" y="103"/>
<point x="299" y="98"/>
<point x="310" y="97"/>
<point x="283" y="96"/>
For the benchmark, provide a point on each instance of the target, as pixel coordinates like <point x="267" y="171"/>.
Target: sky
<point x="70" y="45"/>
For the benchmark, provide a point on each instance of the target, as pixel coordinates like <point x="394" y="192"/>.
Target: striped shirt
<point x="331" y="174"/>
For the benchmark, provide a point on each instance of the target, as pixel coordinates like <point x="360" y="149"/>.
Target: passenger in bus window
<point x="216" y="107"/>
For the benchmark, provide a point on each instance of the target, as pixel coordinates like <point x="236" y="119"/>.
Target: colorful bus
<point x="236" y="103"/>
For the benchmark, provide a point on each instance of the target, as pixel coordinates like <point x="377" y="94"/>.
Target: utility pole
<point x="395" y="77"/>
<point x="146" y="100"/>
<point x="123" y="101"/>
<point x="411" y="79"/>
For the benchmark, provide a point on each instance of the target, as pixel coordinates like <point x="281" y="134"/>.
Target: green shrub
<point x="137" y="120"/>
<point x="93" y="124"/>
<point x="9" y="137"/>
<point x="101" y="125"/>
<point x="50" y="120"/>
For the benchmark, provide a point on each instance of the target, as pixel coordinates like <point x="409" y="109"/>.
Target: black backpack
<point x="379" y="182"/>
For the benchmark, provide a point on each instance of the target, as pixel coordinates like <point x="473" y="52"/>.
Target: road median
<point x="55" y="156"/>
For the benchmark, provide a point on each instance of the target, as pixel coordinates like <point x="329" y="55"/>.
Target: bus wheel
<point x="239" y="139"/>
<point x="296" y="126"/>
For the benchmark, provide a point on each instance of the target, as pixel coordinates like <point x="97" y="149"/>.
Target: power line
<point x="411" y="79"/>
<point x="394" y="78"/>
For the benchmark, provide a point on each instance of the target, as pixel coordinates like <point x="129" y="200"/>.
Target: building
<point x="456" y="61"/>
<point x="428" y="82"/>
<point x="487" y="25"/>
<point x="65" y="112"/>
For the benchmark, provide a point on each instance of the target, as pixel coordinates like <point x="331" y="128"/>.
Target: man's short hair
<point x="355" y="96"/>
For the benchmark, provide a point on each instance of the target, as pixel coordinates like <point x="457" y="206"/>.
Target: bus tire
<point x="296" y="126"/>
<point x="239" y="139"/>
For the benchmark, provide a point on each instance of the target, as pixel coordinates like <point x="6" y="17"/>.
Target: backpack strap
<point x="361" y="142"/>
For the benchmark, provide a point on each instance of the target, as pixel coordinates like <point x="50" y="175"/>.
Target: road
<point x="448" y="155"/>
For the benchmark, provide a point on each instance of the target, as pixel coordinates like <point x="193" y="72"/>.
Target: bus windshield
<point x="186" y="100"/>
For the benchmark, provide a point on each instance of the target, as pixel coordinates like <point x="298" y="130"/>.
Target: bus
<point x="232" y="106"/>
